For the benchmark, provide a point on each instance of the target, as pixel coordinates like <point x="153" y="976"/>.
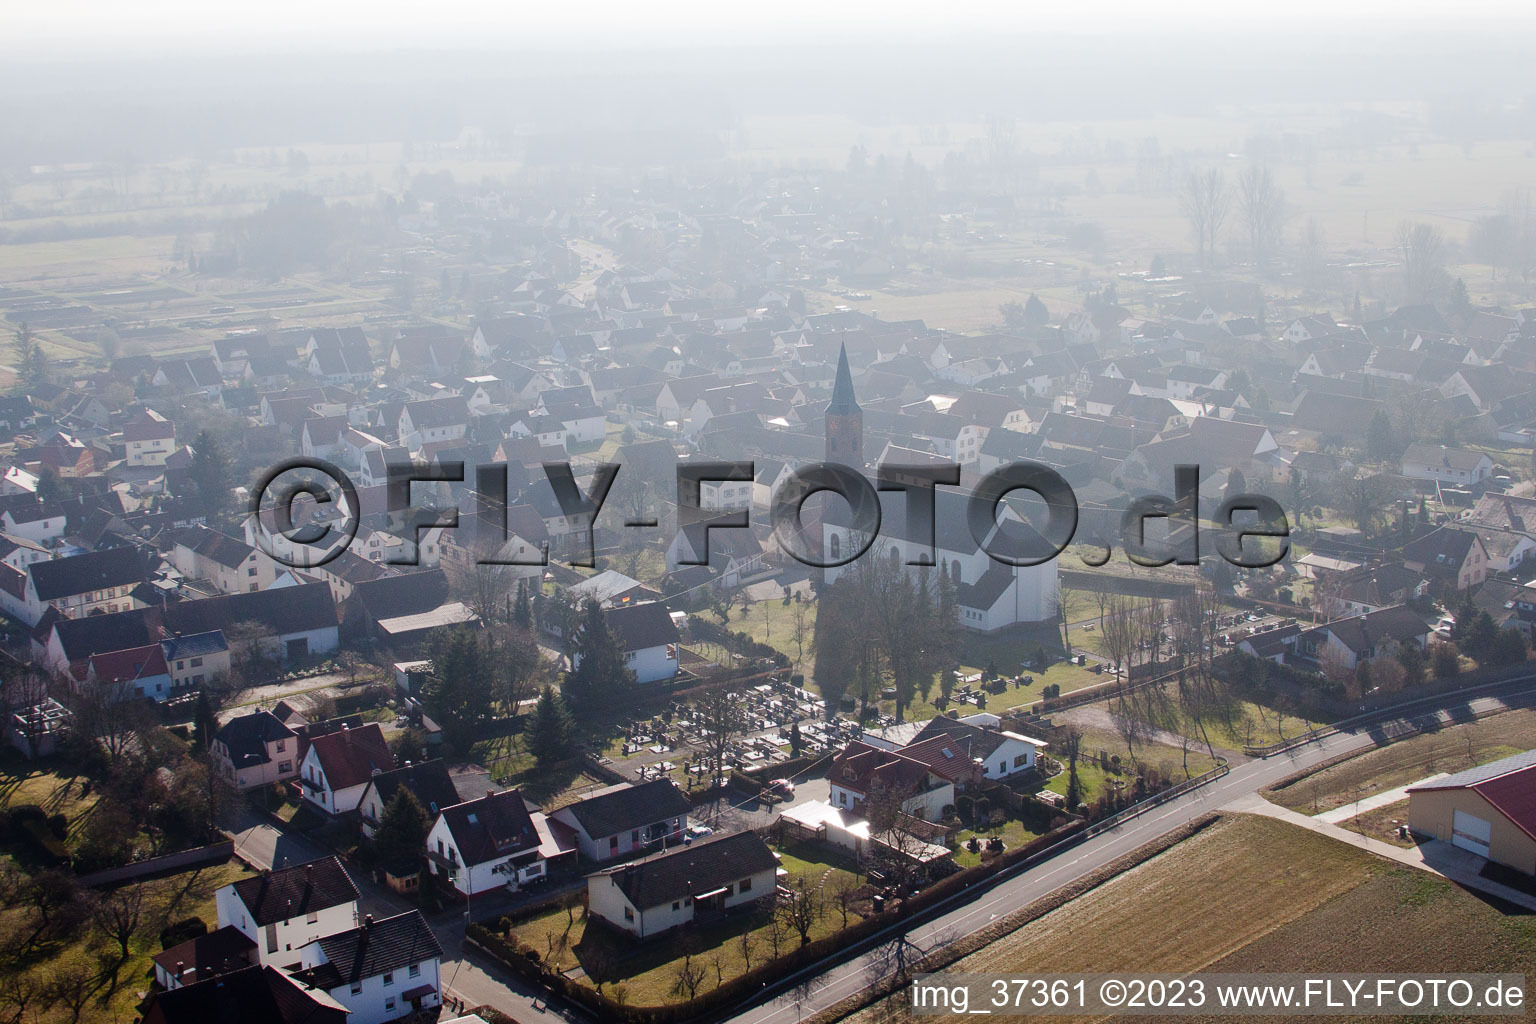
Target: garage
<point x="1471" y="833"/>
<point x="1488" y="811"/>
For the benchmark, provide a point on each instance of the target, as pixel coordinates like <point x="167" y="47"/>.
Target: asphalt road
<point x="821" y="990"/>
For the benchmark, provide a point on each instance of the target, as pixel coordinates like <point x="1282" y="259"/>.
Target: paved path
<point x="1459" y="866"/>
<point x="819" y="989"/>
<point x="1355" y="808"/>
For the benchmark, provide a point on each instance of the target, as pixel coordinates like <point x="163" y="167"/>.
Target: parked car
<point x="782" y="788"/>
<point x="699" y="831"/>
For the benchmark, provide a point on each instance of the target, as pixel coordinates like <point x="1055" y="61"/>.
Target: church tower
<point x="845" y="420"/>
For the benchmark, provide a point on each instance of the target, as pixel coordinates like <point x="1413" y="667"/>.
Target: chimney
<point x="368" y="921"/>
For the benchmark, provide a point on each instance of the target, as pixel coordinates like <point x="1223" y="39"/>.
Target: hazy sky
<point x="220" y="24"/>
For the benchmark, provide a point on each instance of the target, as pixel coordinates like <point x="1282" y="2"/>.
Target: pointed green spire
<point x="843" y="403"/>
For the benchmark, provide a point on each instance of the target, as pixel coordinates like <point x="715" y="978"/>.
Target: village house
<point x="623" y="819"/>
<point x="998" y="753"/>
<point x="284" y="910"/>
<point x="683" y="885"/>
<point x="251" y="995"/>
<point x="861" y="772"/>
<point x="428" y="781"/>
<point x="1453" y="559"/>
<point x="256" y="750"/>
<point x="78" y="586"/>
<point x="497" y="841"/>
<point x="231" y="565"/>
<point x="337" y="767"/>
<point x="380" y="970"/>
<point x="1455" y="467"/>
<point x="217" y="953"/>
<point x="1348" y="642"/>
<point x="647" y="636"/>
<point x="149" y="439"/>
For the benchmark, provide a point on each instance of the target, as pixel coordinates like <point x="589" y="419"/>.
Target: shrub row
<point x="735" y="642"/>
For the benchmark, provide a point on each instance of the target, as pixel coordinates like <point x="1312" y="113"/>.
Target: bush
<point x="43" y="839"/>
<point x="181" y="931"/>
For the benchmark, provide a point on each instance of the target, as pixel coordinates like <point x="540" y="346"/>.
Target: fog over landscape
<point x="696" y="512"/>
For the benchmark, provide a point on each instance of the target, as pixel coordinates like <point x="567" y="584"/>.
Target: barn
<point x="1489" y="810"/>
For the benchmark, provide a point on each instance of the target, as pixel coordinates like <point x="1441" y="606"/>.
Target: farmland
<point x="1289" y="900"/>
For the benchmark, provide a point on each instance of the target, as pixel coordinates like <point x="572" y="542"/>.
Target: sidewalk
<point x="1443" y="859"/>
<point x="1354" y="808"/>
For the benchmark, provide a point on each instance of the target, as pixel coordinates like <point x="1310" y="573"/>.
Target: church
<point x="991" y="595"/>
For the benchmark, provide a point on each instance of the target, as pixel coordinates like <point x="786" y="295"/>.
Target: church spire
<point x="845" y="420"/>
<point x="843" y="403"/>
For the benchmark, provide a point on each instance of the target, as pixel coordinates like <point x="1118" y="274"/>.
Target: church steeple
<point x="845" y="420"/>
<point x="843" y="403"/>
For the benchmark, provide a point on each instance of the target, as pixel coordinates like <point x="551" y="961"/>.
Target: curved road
<point x="818" y="991"/>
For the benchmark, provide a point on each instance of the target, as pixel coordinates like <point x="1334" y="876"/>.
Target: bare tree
<point x="1117" y="632"/>
<point x="722" y="717"/>
<point x="72" y="985"/>
<point x="1424" y="257"/>
<point x="746" y="945"/>
<point x="844" y="891"/>
<point x="803" y="908"/>
<point x="117" y="916"/>
<point x="800" y="630"/>
<point x="777" y="931"/>
<point x="1204" y="200"/>
<point x="1261" y="203"/>
<point x="688" y="977"/>
<point x="18" y="990"/>
<point x="1069" y="740"/>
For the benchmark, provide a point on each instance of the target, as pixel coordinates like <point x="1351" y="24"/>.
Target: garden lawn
<point x="115" y="985"/>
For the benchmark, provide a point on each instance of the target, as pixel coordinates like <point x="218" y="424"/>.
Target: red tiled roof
<point x="127" y="665"/>
<point x="350" y="756"/>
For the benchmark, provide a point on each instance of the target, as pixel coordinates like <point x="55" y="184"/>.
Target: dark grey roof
<point x="284" y="610"/>
<point x="294" y="891"/>
<point x="99" y="634"/>
<point x="693" y="870"/>
<point x="98" y="570"/>
<point x="625" y="808"/>
<point x="496" y="825"/>
<point x="369" y="950"/>
<point x="641" y="626"/>
<point x="247" y="737"/>
<point x="195" y="645"/>
<point x="429" y="781"/>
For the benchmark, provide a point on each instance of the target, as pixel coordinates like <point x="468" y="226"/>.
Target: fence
<point x="170" y="862"/>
